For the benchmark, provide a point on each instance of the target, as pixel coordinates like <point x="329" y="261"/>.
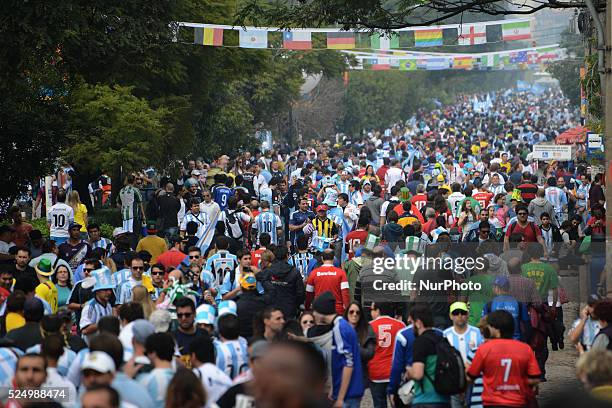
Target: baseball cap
<point x="74" y="225"/>
<point x="501" y="282"/>
<point x="118" y="231"/>
<point x="325" y="304"/>
<point x="440" y="177"/>
<point x="592" y="300"/>
<point x="195" y="172"/>
<point x="161" y="320"/>
<point x="321" y="207"/>
<point x="98" y="361"/>
<point x="141" y="329"/>
<point x="458" y="306"/>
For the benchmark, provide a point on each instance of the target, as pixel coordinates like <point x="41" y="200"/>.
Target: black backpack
<point x="450" y="376"/>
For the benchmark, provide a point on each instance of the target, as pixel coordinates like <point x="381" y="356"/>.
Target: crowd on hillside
<point x="251" y="280"/>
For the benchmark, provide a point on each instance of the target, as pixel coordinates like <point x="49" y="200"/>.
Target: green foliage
<point x="568" y="72"/>
<point x="41" y="224"/>
<point x="111" y="216"/>
<point x="109" y="128"/>
<point x="592" y="87"/>
<point x="378" y="99"/>
<point x="106" y="230"/>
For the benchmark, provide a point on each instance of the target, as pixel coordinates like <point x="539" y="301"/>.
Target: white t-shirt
<point x="215" y="381"/>
<point x="60" y="216"/>
<point x="394" y="174"/>
<point x="5" y="246"/>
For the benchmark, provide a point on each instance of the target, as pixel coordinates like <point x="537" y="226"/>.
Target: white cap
<point x="118" y="231"/>
<point x="98" y="361"/>
<point x="195" y="172"/>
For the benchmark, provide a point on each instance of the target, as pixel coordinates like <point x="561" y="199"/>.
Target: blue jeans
<point x="351" y="403"/>
<point x="379" y="394"/>
<point x="59" y="240"/>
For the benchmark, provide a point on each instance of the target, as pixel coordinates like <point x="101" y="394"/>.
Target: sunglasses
<point x="308" y="322"/>
<point x="138" y="268"/>
<point x="354" y="312"/>
<point x="459" y="312"/>
<point x="157" y="273"/>
<point x="88" y="269"/>
<point x="521" y="213"/>
<point x="194" y="256"/>
<point x="181" y="315"/>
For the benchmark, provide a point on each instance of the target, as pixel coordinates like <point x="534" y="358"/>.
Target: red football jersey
<point x="385" y="328"/>
<point x="256" y="256"/>
<point x="483" y="198"/>
<point x="328" y="278"/>
<point x="354" y="240"/>
<point x="419" y="200"/>
<point x="505" y="366"/>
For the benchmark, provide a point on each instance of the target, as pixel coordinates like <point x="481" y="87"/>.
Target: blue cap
<point x="502" y="282"/>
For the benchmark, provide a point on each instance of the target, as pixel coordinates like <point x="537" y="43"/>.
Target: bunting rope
<point x="462" y="34"/>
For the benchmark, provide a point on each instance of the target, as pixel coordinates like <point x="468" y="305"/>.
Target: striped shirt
<point x="465" y="342"/>
<point x="156" y="383"/>
<point x="301" y="261"/>
<point x="343" y="186"/>
<point x="203" y="226"/>
<point x="267" y="222"/>
<point x="8" y="362"/>
<point x="477" y="387"/>
<point x="220" y="264"/>
<point x="74" y="371"/>
<point x="232" y="357"/>
<point x="121" y="276"/>
<point x="124" y="292"/>
<point x="93" y="311"/>
<point x="215" y="382"/>
<point x="64" y="362"/>
<point x="104" y="243"/>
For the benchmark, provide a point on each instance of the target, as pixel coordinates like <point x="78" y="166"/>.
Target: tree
<point x="112" y="130"/>
<point x="568" y="72"/>
<point x="381" y="14"/>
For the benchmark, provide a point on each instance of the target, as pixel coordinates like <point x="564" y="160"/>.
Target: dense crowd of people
<point x="253" y="280"/>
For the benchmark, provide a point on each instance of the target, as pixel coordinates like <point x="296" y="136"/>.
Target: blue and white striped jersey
<point x="203" y="226"/>
<point x="121" y="276"/>
<point x="301" y="261"/>
<point x="232" y="356"/>
<point x="268" y="222"/>
<point x="8" y="363"/>
<point x="156" y="382"/>
<point x="124" y="292"/>
<point x="64" y="362"/>
<point x="220" y="264"/>
<point x="343" y="186"/>
<point x="93" y="311"/>
<point x="107" y="244"/>
<point x="465" y="342"/>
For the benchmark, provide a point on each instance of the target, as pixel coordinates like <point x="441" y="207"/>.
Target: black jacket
<point x="283" y="287"/>
<point x="248" y="305"/>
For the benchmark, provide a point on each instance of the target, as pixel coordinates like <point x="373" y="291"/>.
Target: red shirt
<point x="505" y="366"/>
<point x="354" y="240"/>
<point x="385" y="328"/>
<point x="419" y="200"/>
<point x="22" y="233"/>
<point x="381" y="173"/>
<point x="483" y="198"/>
<point x="328" y="278"/>
<point x="530" y="233"/>
<point x="256" y="256"/>
<point x="399" y="209"/>
<point x="171" y="258"/>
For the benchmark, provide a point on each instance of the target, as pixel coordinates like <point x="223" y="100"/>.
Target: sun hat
<point x="44" y="267"/>
<point x="205" y="314"/>
<point x="98" y="361"/>
<point x="227" y="306"/>
<point x="103" y="279"/>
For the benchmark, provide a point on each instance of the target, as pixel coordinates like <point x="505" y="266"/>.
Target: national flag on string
<point x="471" y="34"/>
<point x="380" y="64"/>
<point x="518" y="57"/>
<point x="489" y="61"/>
<point x="409" y="64"/>
<point x="340" y="40"/>
<point x="253" y="39"/>
<point x="428" y="38"/>
<point x="435" y="64"/>
<point x="421" y="63"/>
<point x="463" y="62"/>
<point x="297" y="40"/>
<point x="546" y="54"/>
<point x="532" y="58"/>
<point x="516" y="31"/>
<point x="380" y="41"/>
<point x="208" y="36"/>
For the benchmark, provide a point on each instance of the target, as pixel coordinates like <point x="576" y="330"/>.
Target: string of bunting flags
<point x="469" y="34"/>
<point x="499" y="60"/>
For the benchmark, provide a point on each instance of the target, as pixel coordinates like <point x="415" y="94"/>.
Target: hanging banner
<point x="552" y="152"/>
<point x="471" y="34"/>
